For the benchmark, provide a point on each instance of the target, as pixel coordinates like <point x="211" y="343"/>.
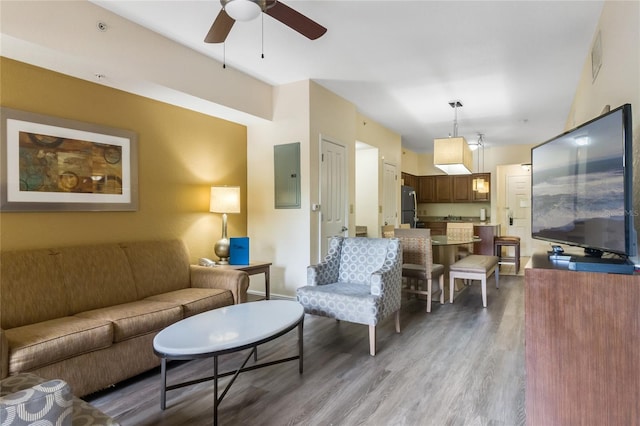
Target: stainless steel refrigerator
<point x="409" y="206"/>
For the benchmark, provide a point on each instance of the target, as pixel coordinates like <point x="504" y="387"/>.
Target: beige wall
<point x="618" y="81"/>
<point x="367" y="201"/>
<point x="59" y="35"/>
<point x="389" y="151"/>
<point x="303" y="112"/>
<point x="280" y="236"/>
<point x="335" y="119"/>
<point x="181" y="154"/>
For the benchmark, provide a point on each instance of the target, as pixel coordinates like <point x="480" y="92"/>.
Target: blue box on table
<point x="239" y="251"/>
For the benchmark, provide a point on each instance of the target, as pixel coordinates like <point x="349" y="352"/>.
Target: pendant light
<point x="452" y="155"/>
<point x="480" y="185"/>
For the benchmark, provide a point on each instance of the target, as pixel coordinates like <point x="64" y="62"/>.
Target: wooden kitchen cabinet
<point x="449" y="188"/>
<point x="443" y="189"/>
<point x="410" y="180"/>
<point x="426" y="189"/>
<point x="461" y="188"/>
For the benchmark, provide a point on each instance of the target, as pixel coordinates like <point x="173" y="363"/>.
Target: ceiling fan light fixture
<point x="243" y="10"/>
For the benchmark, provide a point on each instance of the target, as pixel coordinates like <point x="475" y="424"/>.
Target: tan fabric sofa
<point x="88" y="314"/>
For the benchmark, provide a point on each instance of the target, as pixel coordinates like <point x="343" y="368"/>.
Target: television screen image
<point x="581" y="186"/>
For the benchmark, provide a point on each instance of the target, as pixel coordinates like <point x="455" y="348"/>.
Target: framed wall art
<point x="56" y="164"/>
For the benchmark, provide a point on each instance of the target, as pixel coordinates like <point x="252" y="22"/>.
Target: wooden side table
<point x="254" y="268"/>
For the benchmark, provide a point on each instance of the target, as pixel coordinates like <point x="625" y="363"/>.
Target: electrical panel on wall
<point x="287" y="175"/>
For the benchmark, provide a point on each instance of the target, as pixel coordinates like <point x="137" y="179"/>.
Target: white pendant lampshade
<point x="242" y="10"/>
<point x="452" y="156"/>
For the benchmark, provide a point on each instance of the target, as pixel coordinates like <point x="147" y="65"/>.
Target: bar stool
<point x="507" y="241"/>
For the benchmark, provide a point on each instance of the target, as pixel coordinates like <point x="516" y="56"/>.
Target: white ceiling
<point x="514" y="65"/>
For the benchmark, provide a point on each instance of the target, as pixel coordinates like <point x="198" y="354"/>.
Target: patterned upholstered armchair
<point x="360" y="280"/>
<point x="28" y="399"/>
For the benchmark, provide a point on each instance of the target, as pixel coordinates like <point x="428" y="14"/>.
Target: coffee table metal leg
<point x="300" y="344"/>
<point x="163" y="383"/>
<point x="267" y="285"/>
<point x="215" y="390"/>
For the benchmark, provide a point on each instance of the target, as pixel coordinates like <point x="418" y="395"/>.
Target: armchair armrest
<point x="227" y="279"/>
<point x="380" y="280"/>
<point x="322" y="273"/>
<point x="389" y="277"/>
<point x="50" y="402"/>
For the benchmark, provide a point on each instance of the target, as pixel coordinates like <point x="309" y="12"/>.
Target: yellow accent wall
<point x="181" y="153"/>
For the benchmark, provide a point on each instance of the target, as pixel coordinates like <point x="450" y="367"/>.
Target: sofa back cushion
<point x="31" y="287"/>
<point x="359" y="257"/>
<point x="158" y="266"/>
<point x="96" y="276"/>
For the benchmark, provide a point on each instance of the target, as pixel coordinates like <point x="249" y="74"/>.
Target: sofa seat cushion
<point x="196" y="300"/>
<point x="136" y="318"/>
<point x="36" y="345"/>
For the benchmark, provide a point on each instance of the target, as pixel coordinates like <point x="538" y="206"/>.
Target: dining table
<point x="446" y="248"/>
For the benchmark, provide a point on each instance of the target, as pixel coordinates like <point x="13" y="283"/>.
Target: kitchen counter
<point x="475" y="220"/>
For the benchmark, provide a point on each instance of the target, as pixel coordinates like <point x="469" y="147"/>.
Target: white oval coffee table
<point x="224" y="330"/>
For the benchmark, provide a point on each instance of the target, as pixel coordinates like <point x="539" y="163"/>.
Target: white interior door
<point x="333" y="193"/>
<point x="518" y="211"/>
<point x="390" y="195"/>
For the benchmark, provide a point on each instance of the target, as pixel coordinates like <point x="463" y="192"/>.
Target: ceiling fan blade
<point x="296" y="21"/>
<point x="220" y="28"/>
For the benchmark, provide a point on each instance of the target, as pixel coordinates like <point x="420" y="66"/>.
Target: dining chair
<point x="387" y="231"/>
<point x="417" y="263"/>
<point x="461" y="231"/>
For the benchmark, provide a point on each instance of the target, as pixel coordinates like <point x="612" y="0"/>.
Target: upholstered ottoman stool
<point x="474" y="267"/>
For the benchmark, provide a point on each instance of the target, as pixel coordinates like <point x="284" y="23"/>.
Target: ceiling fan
<point x="245" y="10"/>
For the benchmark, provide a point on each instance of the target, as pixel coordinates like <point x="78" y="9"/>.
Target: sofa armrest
<point x="4" y="355"/>
<point x="227" y="279"/>
<point x="50" y="402"/>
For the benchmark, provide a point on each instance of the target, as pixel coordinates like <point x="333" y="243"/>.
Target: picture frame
<point x="57" y="164"/>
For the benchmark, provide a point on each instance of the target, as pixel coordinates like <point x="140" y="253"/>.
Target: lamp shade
<point x="243" y="10"/>
<point x="452" y="156"/>
<point x="225" y="199"/>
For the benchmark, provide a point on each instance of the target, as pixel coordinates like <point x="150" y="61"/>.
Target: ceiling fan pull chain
<point x="224" y="55"/>
<point x="262" y="17"/>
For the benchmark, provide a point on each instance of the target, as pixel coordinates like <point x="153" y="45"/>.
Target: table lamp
<point x="224" y="199"/>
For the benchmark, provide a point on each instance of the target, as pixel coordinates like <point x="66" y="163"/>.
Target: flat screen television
<point x="581" y="187"/>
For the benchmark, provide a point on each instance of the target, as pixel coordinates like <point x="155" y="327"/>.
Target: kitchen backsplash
<point x="453" y="209"/>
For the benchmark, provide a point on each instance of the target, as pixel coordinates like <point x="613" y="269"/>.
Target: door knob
<point x="344" y="229"/>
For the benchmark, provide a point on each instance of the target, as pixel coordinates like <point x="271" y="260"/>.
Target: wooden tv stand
<point x="582" y="346"/>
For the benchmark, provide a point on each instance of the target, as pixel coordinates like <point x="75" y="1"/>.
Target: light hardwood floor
<point x="459" y="365"/>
